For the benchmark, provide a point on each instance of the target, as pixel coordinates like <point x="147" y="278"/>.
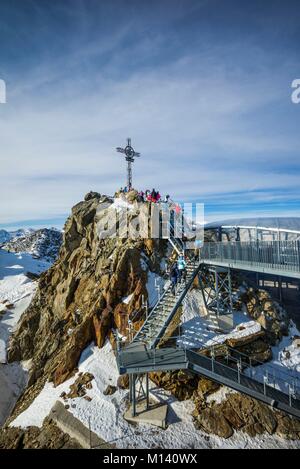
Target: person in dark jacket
<point x="181" y="264"/>
<point x="174" y="275"/>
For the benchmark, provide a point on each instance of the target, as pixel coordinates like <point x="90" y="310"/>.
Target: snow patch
<point x="120" y="204"/>
<point x="17" y="289"/>
<point x="127" y="299"/>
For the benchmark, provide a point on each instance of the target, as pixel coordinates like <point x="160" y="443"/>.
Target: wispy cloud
<point x="213" y="121"/>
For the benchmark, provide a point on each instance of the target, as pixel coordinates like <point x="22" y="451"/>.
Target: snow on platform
<point x="199" y="331"/>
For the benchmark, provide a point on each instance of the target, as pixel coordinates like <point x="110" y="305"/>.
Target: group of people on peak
<point x="147" y="196"/>
<point x="178" y="273"/>
<point x="126" y="190"/>
<point x="150" y="196"/>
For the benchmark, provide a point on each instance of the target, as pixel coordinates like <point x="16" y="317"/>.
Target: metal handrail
<point x="194" y="358"/>
<point x="271" y="254"/>
<point x="240" y="371"/>
<point x="249" y="364"/>
<point x="254" y="361"/>
<point x="161" y="301"/>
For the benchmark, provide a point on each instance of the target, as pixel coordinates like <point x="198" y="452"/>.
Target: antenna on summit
<point x="130" y="154"/>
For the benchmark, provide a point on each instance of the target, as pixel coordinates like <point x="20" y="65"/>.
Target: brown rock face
<point x="79" y="387"/>
<point x="47" y="437"/>
<point x="79" y="299"/>
<point x="267" y="313"/>
<point x="182" y="383"/>
<point x="239" y="412"/>
<point x="213" y="421"/>
<point x="206" y="387"/>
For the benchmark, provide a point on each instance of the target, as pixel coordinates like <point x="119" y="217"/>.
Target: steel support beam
<point x="216" y="288"/>
<point x="137" y="391"/>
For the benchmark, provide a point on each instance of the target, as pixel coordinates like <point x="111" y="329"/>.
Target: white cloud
<point x="198" y="129"/>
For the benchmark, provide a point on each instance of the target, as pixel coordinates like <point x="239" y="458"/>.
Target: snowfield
<point x="16" y="292"/>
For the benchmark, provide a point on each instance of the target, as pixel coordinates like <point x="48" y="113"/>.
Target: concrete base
<point x="155" y="415"/>
<point x="226" y="322"/>
<point x="75" y="429"/>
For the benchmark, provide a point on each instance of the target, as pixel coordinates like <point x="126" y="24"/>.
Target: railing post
<point x="291" y="394"/>
<point x="265" y="383"/>
<point x="130" y="387"/>
<point x="227" y="356"/>
<point x="212" y="359"/>
<point x="239" y="368"/>
<point x="147" y="391"/>
<point x="133" y="396"/>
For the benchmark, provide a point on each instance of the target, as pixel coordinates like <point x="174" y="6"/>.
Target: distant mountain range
<point x="42" y="244"/>
<point x="6" y="236"/>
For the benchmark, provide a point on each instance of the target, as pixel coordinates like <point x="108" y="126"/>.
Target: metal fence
<point x="272" y="255"/>
<point x="235" y="369"/>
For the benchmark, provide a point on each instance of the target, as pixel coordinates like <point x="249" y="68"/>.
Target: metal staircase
<point x="141" y="356"/>
<point x="162" y="314"/>
<point x="177" y="244"/>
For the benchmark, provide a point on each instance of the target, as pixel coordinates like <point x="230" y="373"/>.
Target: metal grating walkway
<point x="280" y="258"/>
<point x="138" y="360"/>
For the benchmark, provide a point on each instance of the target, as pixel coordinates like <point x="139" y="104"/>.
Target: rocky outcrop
<point x="80" y="298"/>
<point x="267" y="312"/>
<point x="79" y="387"/>
<point x="47" y="437"/>
<point x="245" y="414"/>
<point x="182" y="383"/>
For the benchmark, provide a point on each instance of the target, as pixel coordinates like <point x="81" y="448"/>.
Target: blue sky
<point x="203" y="88"/>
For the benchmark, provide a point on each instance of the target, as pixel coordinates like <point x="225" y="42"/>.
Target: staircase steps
<point x="163" y="312"/>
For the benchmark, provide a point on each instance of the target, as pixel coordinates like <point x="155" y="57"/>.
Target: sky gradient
<point x="203" y="88"/>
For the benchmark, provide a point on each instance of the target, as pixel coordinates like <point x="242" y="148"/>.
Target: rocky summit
<point x="80" y="299"/>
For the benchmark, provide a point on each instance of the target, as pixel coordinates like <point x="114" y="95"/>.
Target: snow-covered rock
<point x="42" y="244"/>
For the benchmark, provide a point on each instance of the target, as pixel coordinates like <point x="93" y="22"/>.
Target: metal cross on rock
<point x="130" y="154"/>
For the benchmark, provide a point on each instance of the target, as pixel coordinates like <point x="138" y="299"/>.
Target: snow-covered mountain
<point x="42" y="244"/>
<point x="6" y="236"/>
